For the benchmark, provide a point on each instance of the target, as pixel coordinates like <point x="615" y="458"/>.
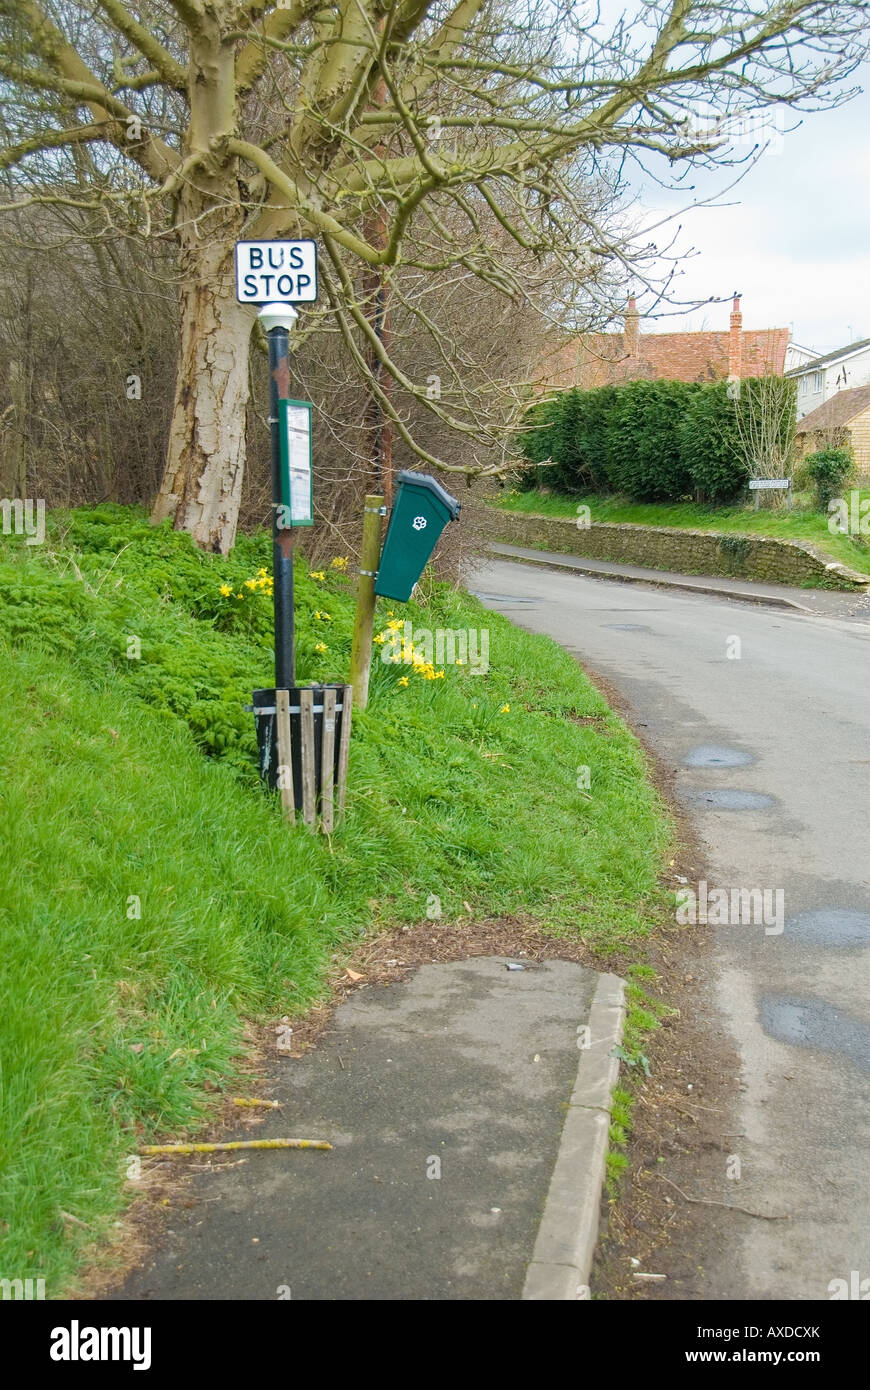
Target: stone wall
<point x="670" y="548"/>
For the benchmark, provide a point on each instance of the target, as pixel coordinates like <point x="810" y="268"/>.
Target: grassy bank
<point x="153" y="898"/>
<point x="799" y="524"/>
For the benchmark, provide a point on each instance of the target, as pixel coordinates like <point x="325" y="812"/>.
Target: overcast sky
<point x="793" y="237"/>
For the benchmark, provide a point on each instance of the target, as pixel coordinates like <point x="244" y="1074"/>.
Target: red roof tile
<point x="598" y="359"/>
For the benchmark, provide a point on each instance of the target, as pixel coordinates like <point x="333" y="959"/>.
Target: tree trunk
<point x="202" y="483"/>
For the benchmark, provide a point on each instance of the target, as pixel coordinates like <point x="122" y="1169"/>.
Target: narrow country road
<point x="771" y="751"/>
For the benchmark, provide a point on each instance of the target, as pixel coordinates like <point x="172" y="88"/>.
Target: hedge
<point x="650" y="440"/>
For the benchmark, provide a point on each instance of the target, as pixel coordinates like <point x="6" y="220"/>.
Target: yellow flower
<point x="505" y="709"/>
<point x="459" y="661"/>
<point x="439" y="675"/>
<point x="395" y="626"/>
<point x="340" y="562"/>
<point x="380" y="639"/>
<point x="318" y="574"/>
<point x="391" y="614"/>
<point x="403" y="680"/>
<point x="321" y="647"/>
<point x="226" y="590"/>
<point x="261" y="573"/>
<point x="250" y="583"/>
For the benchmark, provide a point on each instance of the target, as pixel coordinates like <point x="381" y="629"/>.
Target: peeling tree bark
<point x="202" y="483"/>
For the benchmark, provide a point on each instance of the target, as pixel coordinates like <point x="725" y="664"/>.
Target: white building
<point x="820" y="378"/>
<point x="797" y="356"/>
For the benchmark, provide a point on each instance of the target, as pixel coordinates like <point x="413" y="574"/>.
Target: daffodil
<point x="340" y="562"/>
<point x="396" y="625"/>
<point x="226" y="590"/>
<point x="250" y="583"/>
<point x="403" y="680"/>
<point x="380" y="639"/>
<point x="321" y="647"/>
<point x="505" y="709"/>
<point x="318" y="574"/>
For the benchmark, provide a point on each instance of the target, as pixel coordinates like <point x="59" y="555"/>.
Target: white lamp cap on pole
<point x="278" y="316"/>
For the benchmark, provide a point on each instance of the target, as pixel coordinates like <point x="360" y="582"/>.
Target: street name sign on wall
<point x="269" y="272"/>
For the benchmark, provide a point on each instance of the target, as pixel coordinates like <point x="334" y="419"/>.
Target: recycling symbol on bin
<point x="419" y="523"/>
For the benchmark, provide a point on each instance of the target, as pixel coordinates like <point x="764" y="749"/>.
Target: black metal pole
<point x="282" y="535"/>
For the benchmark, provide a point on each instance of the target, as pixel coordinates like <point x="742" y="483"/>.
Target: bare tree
<point x="766" y="422"/>
<point x="434" y="122"/>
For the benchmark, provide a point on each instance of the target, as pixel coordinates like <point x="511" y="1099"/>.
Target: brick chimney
<point x="735" y="341"/>
<point x="632" y="328"/>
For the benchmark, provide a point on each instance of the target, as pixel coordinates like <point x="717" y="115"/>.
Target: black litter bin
<point x="267" y="738"/>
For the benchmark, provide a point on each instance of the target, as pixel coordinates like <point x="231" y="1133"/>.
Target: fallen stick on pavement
<point x="236" y="1144"/>
<point x="255" y="1102"/>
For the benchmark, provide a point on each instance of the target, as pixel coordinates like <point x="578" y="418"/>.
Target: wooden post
<point x="361" y="647"/>
<point x="327" y="764"/>
<point x="306" y="732"/>
<point x="285" y="753"/>
<point x="344" y="745"/>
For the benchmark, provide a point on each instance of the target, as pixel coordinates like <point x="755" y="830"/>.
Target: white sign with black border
<point x="756" y="483"/>
<point x="269" y="272"/>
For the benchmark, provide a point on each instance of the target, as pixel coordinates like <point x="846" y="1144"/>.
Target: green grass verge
<point x="799" y="524"/>
<point x="154" y="898"/>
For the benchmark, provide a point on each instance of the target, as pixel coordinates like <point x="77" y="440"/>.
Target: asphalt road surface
<point x="769" y="736"/>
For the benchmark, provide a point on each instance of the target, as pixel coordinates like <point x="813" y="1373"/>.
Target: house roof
<point x="598" y="359"/>
<point x="829" y="357"/>
<point x="838" y="411"/>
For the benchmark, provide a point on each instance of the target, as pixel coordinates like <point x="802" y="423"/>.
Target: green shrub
<point x="829" y="470"/>
<point x="571" y="429"/>
<point x="710" y="445"/>
<point x="536" y="442"/>
<point x="592" y="440"/>
<point x="644" y="456"/>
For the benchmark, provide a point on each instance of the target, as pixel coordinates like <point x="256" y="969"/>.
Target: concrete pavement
<point x="763" y="715"/>
<point x="448" y="1098"/>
